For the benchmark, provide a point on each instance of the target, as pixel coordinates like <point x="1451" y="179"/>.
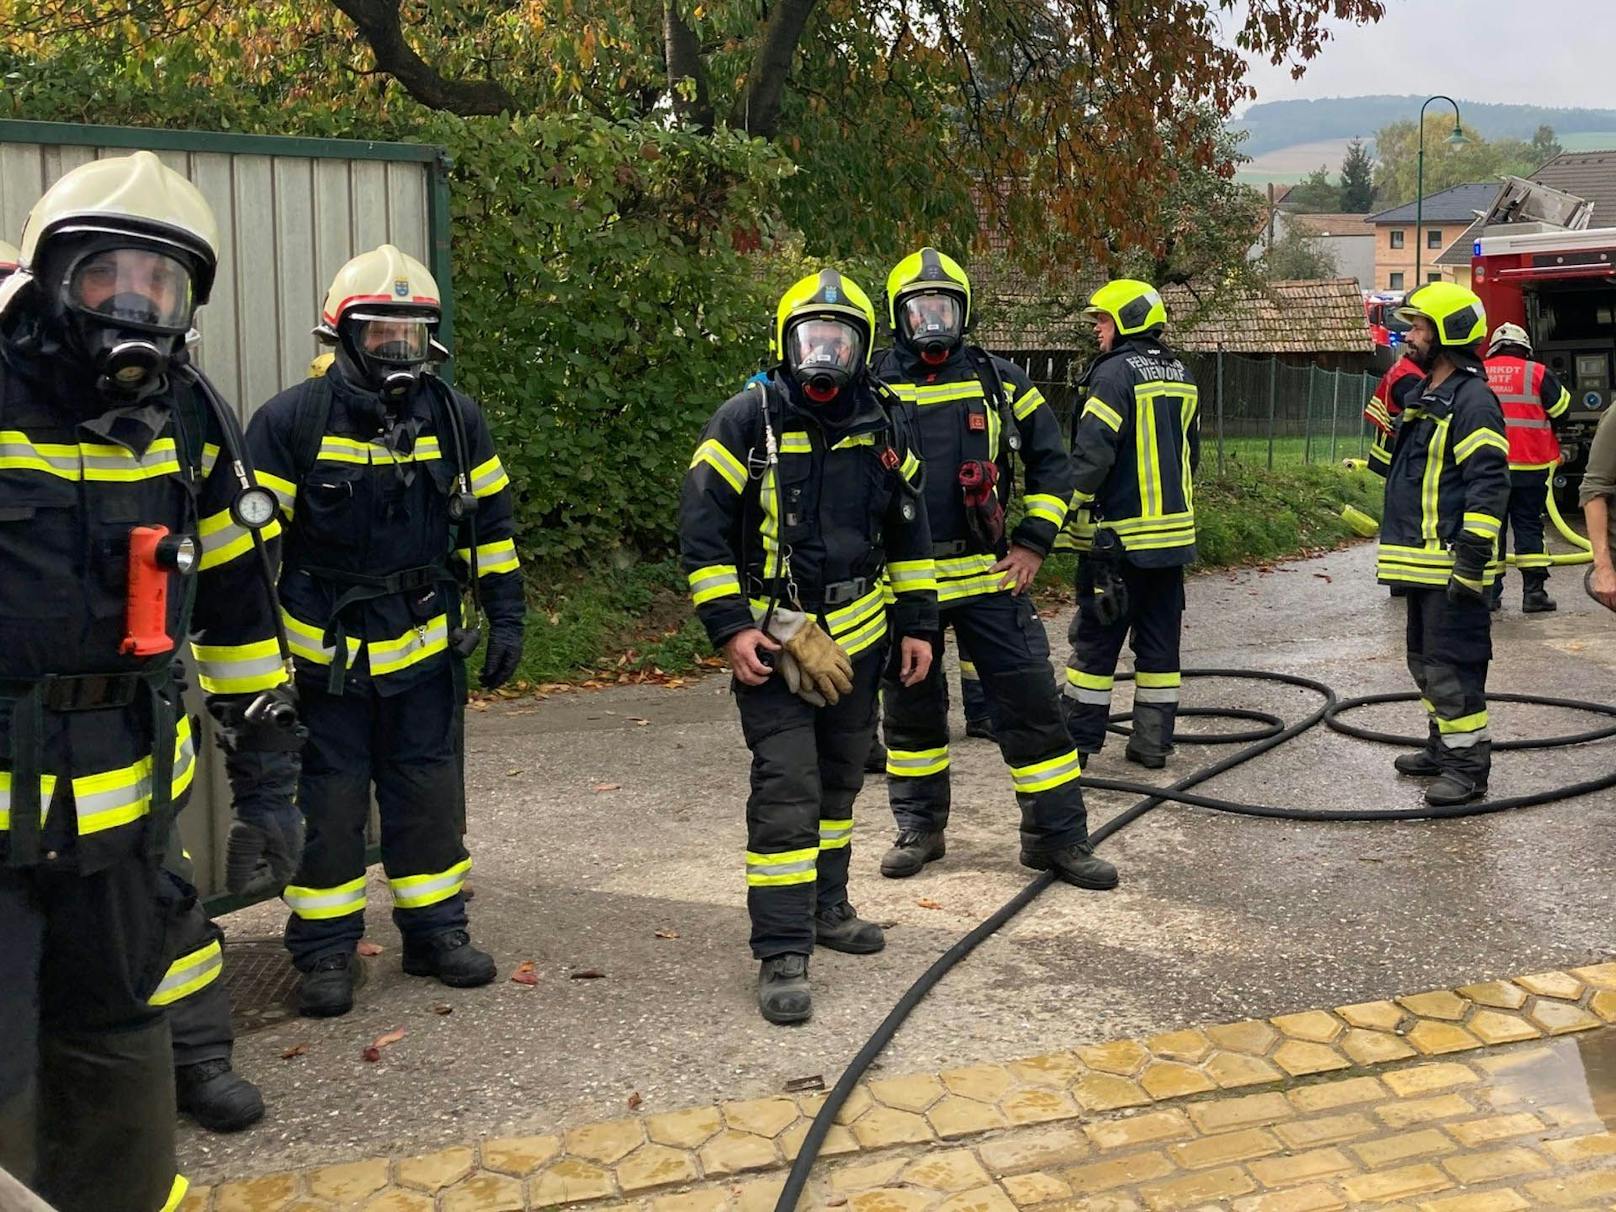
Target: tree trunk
<point x="379" y="25"/>
<point x="757" y="109"/>
<point x="691" y="102"/>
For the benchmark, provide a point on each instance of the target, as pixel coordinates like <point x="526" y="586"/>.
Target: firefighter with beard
<point x="975" y="414"/>
<point x="1446" y="492"/>
<point x="394" y="503"/>
<point x="128" y="522"/>
<point x="1135" y="446"/>
<point x="801" y="495"/>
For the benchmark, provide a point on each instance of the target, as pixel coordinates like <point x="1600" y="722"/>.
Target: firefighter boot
<point x="1453" y="789"/>
<point x="1076" y="864"/>
<point x="913" y="849"/>
<point x="875" y="762"/>
<point x="450" y="957"/>
<point x="1535" y="597"/>
<point x="1150" y="761"/>
<point x="1422" y="763"/>
<point x="783" y="995"/>
<point x="216" y="1096"/>
<point x="327" y="989"/>
<point x="981" y="726"/>
<point x="841" y="929"/>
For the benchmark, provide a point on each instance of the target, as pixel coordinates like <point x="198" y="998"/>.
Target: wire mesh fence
<point x="1257" y="411"/>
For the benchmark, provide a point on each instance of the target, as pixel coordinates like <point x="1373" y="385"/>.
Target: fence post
<point x="1307" y="424"/>
<point x="1273" y="390"/>
<point x="1335" y="412"/>
<point x="1219" y="402"/>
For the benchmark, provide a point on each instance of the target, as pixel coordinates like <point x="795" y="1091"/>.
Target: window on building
<point x="1434" y="275"/>
<point x="1397" y="239"/>
<point x="1396" y="282"/>
<point x="1433" y="238"/>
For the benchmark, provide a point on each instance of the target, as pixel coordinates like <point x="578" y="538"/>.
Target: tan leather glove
<point x="792" y="672"/>
<point x="825" y="667"/>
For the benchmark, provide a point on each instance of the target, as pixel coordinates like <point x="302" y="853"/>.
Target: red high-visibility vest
<point x="1518" y="384"/>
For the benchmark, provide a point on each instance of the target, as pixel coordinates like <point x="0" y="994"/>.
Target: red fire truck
<point x="1560" y="286"/>
<point x="1380" y="310"/>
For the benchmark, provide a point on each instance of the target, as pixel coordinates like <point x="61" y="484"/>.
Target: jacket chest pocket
<point x="39" y="543"/>
<point x="333" y="509"/>
<point x="798" y="499"/>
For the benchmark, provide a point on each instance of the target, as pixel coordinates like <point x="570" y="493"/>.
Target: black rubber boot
<point x="1076" y="865"/>
<point x="1535" y="598"/>
<point x="1421" y="763"/>
<point x="450" y="957"/>
<point x="216" y="1096"/>
<point x="1495" y="596"/>
<point x="875" y="762"/>
<point x="1150" y="761"/>
<point x="1452" y="789"/>
<point x="327" y="989"/>
<point x="912" y="851"/>
<point x="841" y="929"/>
<point x="783" y="996"/>
<point x="981" y="727"/>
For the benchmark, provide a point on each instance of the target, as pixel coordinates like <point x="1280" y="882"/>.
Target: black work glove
<point x="1109" y="591"/>
<point x="262" y="853"/>
<point x="1471" y="554"/>
<point x="503" y="654"/>
<point x="261" y="723"/>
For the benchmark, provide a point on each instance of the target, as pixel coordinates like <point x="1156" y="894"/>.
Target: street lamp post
<point x="1456" y="139"/>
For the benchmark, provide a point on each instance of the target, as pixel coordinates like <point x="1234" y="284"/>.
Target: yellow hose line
<point x="1585" y="550"/>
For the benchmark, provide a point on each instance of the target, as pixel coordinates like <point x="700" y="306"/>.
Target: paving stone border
<point x="652" y="1160"/>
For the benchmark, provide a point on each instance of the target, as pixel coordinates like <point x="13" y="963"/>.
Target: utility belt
<point x="829" y="597"/>
<point x="31" y="698"/>
<point x="360" y="587"/>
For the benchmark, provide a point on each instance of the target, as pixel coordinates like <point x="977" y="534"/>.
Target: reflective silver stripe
<point x="1523" y="423"/>
<point x="898" y="765"/>
<point x="491" y="476"/>
<point x="1155" y="694"/>
<point x="796" y="868"/>
<point x="411" y="891"/>
<point x="230" y="671"/>
<point x="63" y="463"/>
<point x="138" y="790"/>
<point x="1464" y="740"/>
<point x="209" y="963"/>
<point x="1042" y="776"/>
<point x="303" y="901"/>
<point x="1100" y="698"/>
<point x="835" y="833"/>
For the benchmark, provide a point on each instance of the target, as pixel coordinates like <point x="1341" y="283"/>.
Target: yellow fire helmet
<point x="1135" y="306"/>
<point x="1456" y="311"/>
<point x="927" y="270"/>
<point x="9" y="259"/>
<point x="382" y="278"/>
<point x="826" y="293"/>
<point x="135" y="195"/>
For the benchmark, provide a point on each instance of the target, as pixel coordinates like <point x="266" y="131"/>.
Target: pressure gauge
<point x="254" y="508"/>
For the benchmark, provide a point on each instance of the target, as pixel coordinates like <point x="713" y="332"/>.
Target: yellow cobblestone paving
<point x="1493" y="1097"/>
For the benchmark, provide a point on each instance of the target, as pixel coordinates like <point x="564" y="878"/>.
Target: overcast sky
<point x="1545" y="52"/>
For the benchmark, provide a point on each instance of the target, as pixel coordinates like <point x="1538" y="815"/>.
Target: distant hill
<point x="1273" y="125"/>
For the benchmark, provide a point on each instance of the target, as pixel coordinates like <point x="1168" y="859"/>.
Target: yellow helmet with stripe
<point x="1134" y="306"/>
<point x="824" y="331"/>
<point x="1455" y="311"/>
<point x="927" y="272"/>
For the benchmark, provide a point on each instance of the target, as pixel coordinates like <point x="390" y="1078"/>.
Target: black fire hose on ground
<point x="1273" y="733"/>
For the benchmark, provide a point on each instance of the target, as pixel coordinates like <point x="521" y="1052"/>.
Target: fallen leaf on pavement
<point x="587" y="974"/>
<point x="385" y="1040"/>
<point x="511" y="774"/>
<point x="1325" y="578"/>
<point x="667" y="934"/>
<point x="926" y="902"/>
<point x="368" y="948"/>
<point x="443" y="1008"/>
<point x="634" y="1101"/>
<point x="525" y="973"/>
<point x="608" y="786"/>
<point x="799" y="1084"/>
<point x="638" y="719"/>
<point x="295" y="1050"/>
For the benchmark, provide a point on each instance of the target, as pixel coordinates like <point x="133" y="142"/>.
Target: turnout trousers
<point x="86" y="1083"/>
<point x="1528" y="498"/>
<point x="406" y="746"/>
<point x="1008" y="645"/>
<point x="1449" y="645"/>
<point x="1151" y="623"/>
<point x="807" y="768"/>
<point x="972" y="697"/>
<point x="190" y="991"/>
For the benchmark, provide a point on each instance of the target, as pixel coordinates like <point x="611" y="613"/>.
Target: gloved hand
<point x="1464" y="592"/>
<point x="262" y="853"/>
<point x="503" y="654"/>
<point x="1471" y="554"/>
<point x="792" y="672"/>
<point x="1110" y="591"/>
<point x="260" y="723"/>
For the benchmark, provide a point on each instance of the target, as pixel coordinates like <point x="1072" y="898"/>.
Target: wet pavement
<point x="606" y="831"/>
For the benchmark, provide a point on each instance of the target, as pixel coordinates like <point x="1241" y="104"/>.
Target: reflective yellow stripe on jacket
<point x="109" y="798"/>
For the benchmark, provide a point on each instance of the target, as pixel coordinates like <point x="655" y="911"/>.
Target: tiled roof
<point x="1324" y="316"/>
<point x="1590" y="175"/>
<point x="1331" y="224"/>
<point x="1456" y="205"/>
<point x="1458" y="253"/>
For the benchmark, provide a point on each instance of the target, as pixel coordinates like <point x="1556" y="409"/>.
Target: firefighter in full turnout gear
<point x="1446" y="492"/>
<point x="128" y="521"/>
<point x="802" y="493"/>
<point x="393" y="501"/>
<point x="976" y="413"/>
<point x="1135" y="447"/>
<point x="1532" y="399"/>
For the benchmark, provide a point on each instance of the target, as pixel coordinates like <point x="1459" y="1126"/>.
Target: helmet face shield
<point x="824" y="353"/>
<point x="931" y="321"/>
<point x="391" y="339"/>
<point x="136" y="288"/>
